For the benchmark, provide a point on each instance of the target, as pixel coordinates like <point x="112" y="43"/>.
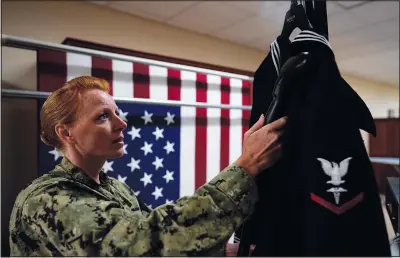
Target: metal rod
<point x="37" y="94"/>
<point x="31" y="44"/>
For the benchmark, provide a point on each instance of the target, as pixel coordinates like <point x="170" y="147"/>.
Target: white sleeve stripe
<point x="277" y="55"/>
<point x="273" y="58"/>
<point x="279" y="52"/>
<point x="311" y="39"/>
<point x="312" y="33"/>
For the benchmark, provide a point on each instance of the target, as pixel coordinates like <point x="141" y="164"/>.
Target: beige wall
<point x="53" y="21"/>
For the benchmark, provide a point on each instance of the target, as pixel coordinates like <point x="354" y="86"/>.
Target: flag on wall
<point x="170" y="151"/>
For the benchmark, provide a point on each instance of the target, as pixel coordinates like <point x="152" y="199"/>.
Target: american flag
<point x="170" y="151"/>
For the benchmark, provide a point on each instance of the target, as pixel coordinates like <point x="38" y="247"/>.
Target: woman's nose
<point x="120" y="124"/>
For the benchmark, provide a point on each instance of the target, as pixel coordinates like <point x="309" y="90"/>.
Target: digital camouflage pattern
<point x="65" y="213"/>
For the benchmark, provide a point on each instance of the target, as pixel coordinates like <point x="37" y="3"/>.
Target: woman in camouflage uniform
<point x="77" y="210"/>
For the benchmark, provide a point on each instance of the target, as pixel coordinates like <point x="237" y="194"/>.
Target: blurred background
<point x="231" y="36"/>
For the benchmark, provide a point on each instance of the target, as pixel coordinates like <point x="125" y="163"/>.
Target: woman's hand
<point x="231" y="249"/>
<point x="261" y="146"/>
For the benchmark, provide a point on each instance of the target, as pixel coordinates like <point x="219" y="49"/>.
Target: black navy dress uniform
<point x="321" y="197"/>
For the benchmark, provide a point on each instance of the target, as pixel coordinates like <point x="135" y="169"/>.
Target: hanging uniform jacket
<point x="321" y="197"/>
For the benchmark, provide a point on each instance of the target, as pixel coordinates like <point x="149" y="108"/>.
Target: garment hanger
<point x="295" y="17"/>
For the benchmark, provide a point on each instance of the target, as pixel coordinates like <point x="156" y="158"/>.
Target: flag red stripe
<point x="201" y="133"/>
<point x="246" y="101"/>
<point x="52" y="69"/>
<point x="141" y="79"/>
<point x="174" y="84"/>
<point x="102" y="68"/>
<point x="225" y="99"/>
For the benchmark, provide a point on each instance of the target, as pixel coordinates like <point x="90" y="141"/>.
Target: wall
<point x="53" y="21"/>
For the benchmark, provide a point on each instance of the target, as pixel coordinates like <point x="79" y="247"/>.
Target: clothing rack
<point x="31" y="44"/>
<point x="39" y="94"/>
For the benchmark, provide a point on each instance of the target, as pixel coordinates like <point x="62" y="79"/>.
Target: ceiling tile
<point x="376" y="32"/>
<point x="375" y="11"/>
<point x="255" y="7"/>
<point x="247" y="30"/>
<point x="333" y="8"/>
<point x="379" y="66"/>
<point x="366" y="49"/>
<point x="263" y="42"/>
<point x="157" y="10"/>
<point x="342" y="22"/>
<point x="274" y="11"/>
<point x="210" y="16"/>
<point x="349" y="4"/>
<point x="99" y="2"/>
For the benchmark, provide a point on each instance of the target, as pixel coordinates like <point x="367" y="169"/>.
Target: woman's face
<point x="98" y="130"/>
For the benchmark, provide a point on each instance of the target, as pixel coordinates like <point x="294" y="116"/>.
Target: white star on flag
<point x="56" y="154"/>
<point x="123" y="115"/>
<point x="108" y="166"/>
<point x="134" y="164"/>
<point x="157" y="192"/>
<point x="158" y="163"/>
<point x="122" y="179"/>
<point x="168" y="201"/>
<point x="168" y="176"/>
<point x="136" y="193"/>
<point x="146" y="148"/>
<point x="125" y="151"/>
<point x="134" y="133"/>
<point x="169" y="147"/>
<point x="147" y="117"/>
<point x="149" y="206"/>
<point x="158" y="133"/>
<point x="146" y="179"/>
<point x="169" y="118"/>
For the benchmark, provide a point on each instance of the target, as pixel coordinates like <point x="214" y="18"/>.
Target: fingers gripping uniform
<point x="65" y="213"/>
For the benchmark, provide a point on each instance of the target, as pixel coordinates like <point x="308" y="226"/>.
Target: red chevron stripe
<point x="338" y="209"/>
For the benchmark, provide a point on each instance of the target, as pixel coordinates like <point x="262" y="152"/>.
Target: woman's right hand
<point x="261" y="146"/>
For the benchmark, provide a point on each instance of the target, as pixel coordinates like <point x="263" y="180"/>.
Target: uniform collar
<point x="79" y="175"/>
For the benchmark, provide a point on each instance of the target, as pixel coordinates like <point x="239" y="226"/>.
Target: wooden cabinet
<point x="387" y="141"/>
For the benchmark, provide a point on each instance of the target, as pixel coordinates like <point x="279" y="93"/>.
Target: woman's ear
<point x="63" y="133"/>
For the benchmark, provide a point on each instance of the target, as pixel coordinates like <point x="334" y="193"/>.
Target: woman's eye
<point x="103" y="116"/>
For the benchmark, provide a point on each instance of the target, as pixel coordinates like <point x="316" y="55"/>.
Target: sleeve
<point x="266" y="75"/>
<point x="73" y="225"/>
<point x="263" y="85"/>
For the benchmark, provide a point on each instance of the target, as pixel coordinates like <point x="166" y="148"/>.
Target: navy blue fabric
<point x="297" y="213"/>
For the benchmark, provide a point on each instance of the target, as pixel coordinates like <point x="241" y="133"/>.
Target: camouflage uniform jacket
<point x="65" y="213"/>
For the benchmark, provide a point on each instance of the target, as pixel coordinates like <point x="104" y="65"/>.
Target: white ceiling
<point x="363" y="34"/>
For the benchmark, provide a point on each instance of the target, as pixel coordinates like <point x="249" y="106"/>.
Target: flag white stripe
<point x="122" y="79"/>
<point x="188" y="134"/>
<point x="235" y="129"/>
<point x="78" y="65"/>
<point x="158" y="82"/>
<point x="213" y="127"/>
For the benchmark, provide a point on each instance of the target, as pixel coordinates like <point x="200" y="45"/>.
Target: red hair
<point x="62" y="105"/>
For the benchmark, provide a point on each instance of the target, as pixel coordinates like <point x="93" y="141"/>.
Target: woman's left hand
<point x="231" y="249"/>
